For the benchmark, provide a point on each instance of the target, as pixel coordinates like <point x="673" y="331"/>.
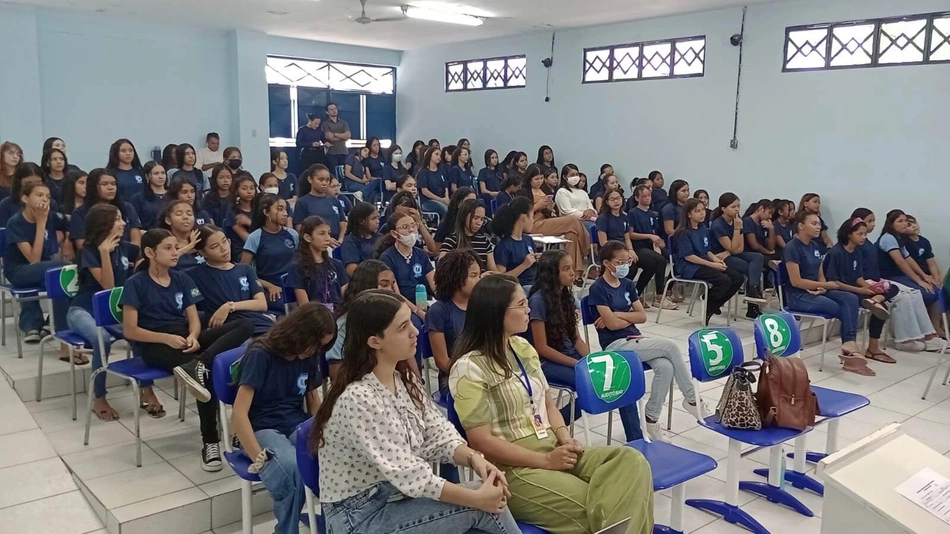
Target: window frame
<point x="671" y="60"/>
<point x="506" y="78"/>
<point x="876" y="41"/>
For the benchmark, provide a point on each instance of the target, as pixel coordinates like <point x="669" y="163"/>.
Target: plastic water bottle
<point x="422" y="297"/>
<point x="781" y="482"/>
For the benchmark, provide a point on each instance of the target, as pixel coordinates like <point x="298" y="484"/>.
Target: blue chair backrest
<point x="423" y="347"/>
<point x="289" y="296"/>
<point x="714" y="353"/>
<point x="777" y="334"/>
<point x="609" y="380"/>
<point x="337" y="253"/>
<point x="62" y="282"/>
<point x="781" y="281"/>
<point x="588" y="313"/>
<point x="221" y="373"/>
<point x="106" y="307"/>
<point x="307" y="464"/>
<point x="593" y="235"/>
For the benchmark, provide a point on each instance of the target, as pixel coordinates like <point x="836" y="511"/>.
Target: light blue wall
<point x="20" y="107"/>
<point x="872" y="137"/>
<point x="282" y="46"/>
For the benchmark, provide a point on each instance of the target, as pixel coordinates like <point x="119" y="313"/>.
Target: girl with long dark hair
<point x="811" y="203"/>
<point x="215" y="199"/>
<point x="314" y="275"/>
<point x="74" y="193"/>
<point x="237" y="220"/>
<point x="187" y="160"/>
<point x="287" y="182"/>
<point x="179" y="219"/>
<point x="102" y="188"/>
<point x="10" y="156"/>
<point x="360" y="244"/>
<point x="433" y="183"/>
<point x="490" y="176"/>
<point x="515" y="252"/>
<point x="461" y="175"/>
<point x="758" y="230"/>
<point x="784" y="211"/>
<point x="546" y="160"/>
<point x="415" y="156"/>
<point x="447" y="224"/>
<point x="319" y="202"/>
<point x="124" y="165"/>
<point x="272" y="246"/>
<point x="409" y="263"/>
<point x="728" y="244"/>
<point x="470" y="235"/>
<point x="671" y="208"/>
<point x="185" y="189"/>
<point x="159" y="313"/>
<point x="571" y="200"/>
<point x="170" y="158"/>
<point x="149" y="202"/>
<point x="648" y="247"/>
<point x="455" y="278"/>
<point x="54" y="165"/>
<point x="393" y="169"/>
<point x="660" y="198"/>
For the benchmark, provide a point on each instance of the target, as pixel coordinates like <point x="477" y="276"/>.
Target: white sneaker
<point x="934" y="345"/>
<point x="694" y="409"/>
<point x="666" y="304"/>
<point x="358" y="195"/>
<point x="656" y="433"/>
<point x="911" y="346"/>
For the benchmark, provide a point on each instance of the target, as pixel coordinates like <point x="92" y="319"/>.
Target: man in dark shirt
<point x="337" y="133"/>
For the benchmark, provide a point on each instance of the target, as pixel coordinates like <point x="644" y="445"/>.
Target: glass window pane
<point x="689" y="57"/>
<point x="475" y="80"/>
<point x="656" y="60"/>
<point x="903" y="41"/>
<point x="596" y="65"/>
<point x="517" y="71"/>
<point x="453" y="77"/>
<point x="851" y="45"/>
<point x="626" y="62"/>
<point x="496" y="73"/>
<point x="940" y="40"/>
<point x="806" y="49"/>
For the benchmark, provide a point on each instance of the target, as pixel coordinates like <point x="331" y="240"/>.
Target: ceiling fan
<point x="363" y="19"/>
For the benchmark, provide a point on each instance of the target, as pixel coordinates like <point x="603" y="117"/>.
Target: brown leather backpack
<point x="784" y="397"/>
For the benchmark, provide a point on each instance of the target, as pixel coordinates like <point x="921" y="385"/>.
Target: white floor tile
<point x="62" y="514"/>
<point x="88" y="464"/>
<point x="36" y="480"/>
<point x="120" y="489"/>
<point x="23" y="447"/>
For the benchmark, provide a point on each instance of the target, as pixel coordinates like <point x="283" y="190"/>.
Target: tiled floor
<point x="41" y="445"/>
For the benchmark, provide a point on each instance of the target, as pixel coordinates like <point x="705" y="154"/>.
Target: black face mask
<point x="235" y="164"/>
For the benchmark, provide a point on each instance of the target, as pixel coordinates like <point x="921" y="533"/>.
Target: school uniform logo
<point x="626" y="295"/>
<point x="200" y="259"/>
<point x="199" y="221"/>
<point x="138" y="179"/>
<point x="179" y="300"/>
<point x="817" y="253"/>
<point x="245" y="287"/>
<point x="336" y="210"/>
<point x="289" y="243"/>
<point x="125" y="262"/>
<point x="195" y="292"/>
<point x="920" y="252"/>
<point x="416" y="270"/>
<point x="302" y="383"/>
<point x="854" y="265"/>
<point x="706" y="241"/>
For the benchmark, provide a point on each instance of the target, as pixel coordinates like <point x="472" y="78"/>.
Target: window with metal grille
<point x="670" y="58"/>
<point x="482" y="74"/>
<point x="908" y="40"/>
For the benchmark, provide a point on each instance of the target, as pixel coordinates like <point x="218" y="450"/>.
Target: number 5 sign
<point x="716" y="351"/>
<point x="609" y="374"/>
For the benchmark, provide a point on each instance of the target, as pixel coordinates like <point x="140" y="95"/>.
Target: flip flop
<point x="78" y="358"/>
<point x="850" y="358"/>
<point x="877" y="310"/>
<point x="879" y="357"/>
<point x="155" y="412"/>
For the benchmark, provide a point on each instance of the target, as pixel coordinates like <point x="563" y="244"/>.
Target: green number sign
<point x="115" y="298"/>
<point x="609" y="374"/>
<point x="777" y="334"/>
<point x="69" y="280"/>
<point x="716" y="351"/>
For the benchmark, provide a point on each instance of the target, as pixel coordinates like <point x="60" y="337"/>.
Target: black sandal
<point x="155" y="412"/>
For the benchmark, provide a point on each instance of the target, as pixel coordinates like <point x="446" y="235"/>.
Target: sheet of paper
<point x="929" y="490"/>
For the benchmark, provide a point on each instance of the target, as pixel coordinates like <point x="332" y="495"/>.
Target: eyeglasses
<point x="408" y="227"/>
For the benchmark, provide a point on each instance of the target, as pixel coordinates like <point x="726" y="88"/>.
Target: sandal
<point x="78" y="359"/>
<point x="855" y="363"/>
<point x="879" y="357"/>
<point x="153" y="411"/>
<point x="877" y="309"/>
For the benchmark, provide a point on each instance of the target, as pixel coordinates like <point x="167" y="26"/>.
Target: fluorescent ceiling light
<point x="442" y="16"/>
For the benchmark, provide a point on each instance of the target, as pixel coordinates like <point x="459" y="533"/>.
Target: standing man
<point x="209" y="156"/>
<point x="337" y="132"/>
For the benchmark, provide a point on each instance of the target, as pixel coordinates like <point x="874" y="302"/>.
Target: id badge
<point x="539" y="429"/>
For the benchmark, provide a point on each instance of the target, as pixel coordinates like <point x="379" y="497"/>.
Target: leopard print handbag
<point x="737" y="408"/>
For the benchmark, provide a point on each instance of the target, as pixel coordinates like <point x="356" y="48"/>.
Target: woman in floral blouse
<point x="377" y="434"/>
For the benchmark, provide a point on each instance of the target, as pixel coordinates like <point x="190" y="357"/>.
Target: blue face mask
<point x="623" y="271"/>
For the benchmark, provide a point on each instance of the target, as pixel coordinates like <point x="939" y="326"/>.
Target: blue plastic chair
<point x="700" y="288"/>
<point x="239" y="462"/>
<point x="62" y="284"/>
<point x="782" y="283"/>
<point x="776" y="334"/>
<point x="671" y="466"/>
<point x="589" y="315"/>
<point x="108" y="313"/>
<point x="713" y="354"/>
<point x="424" y="350"/>
<point x="290" y="298"/>
<point x="337" y="253"/>
<point x="942" y="306"/>
<point x="17" y="296"/>
<point x="309" y="467"/>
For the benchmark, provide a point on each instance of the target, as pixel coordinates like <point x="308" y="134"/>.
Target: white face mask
<point x="272" y="190"/>
<point x="397" y="157"/>
<point x="409" y="239"/>
<point x="573" y="180"/>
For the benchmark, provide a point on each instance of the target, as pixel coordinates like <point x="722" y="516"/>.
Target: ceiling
<point x="331" y="20"/>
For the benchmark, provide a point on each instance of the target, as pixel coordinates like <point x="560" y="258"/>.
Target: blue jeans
<point x="372" y="190"/>
<point x="749" y="264"/>
<point x="81" y="322"/>
<point x="352" y="186"/>
<point x="32" y="275"/>
<point x="282" y="479"/>
<point x="370" y="512"/>
<point x="434" y="206"/>
<point x="835" y="303"/>
<point x="564" y="375"/>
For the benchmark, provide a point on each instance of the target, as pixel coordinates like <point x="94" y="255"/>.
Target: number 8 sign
<point x="778" y="336"/>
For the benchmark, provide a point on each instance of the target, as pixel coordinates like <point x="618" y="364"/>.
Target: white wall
<point x="850" y="135"/>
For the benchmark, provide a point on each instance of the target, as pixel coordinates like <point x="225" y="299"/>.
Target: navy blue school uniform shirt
<point x="202" y="217"/>
<point x="237" y="244"/>
<point x="19" y="230"/>
<point x="148" y="210"/>
<point x="783" y="230"/>
<point x="615" y="226"/>
<point x="720" y="228"/>
<point x="122" y="258"/>
<point x="273" y="252"/>
<point x="408" y="272"/>
<point x="345" y="205"/>
<point x="326" y="206"/>
<point x="596" y="189"/>
<point x="920" y="251"/>
<point x="749" y="226"/>
<point x="356" y="166"/>
<point x="129" y="182"/>
<point x="869" y="260"/>
<point x="326" y="283"/>
<point x="161" y="308"/>
<point x="691" y="242"/>
<point x="843" y="266"/>
<point x="642" y="222"/>
<point x="618" y="299"/>
<point x="885" y="244"/>
<point x="55" y="188"/>
<point x="287" y="187"/>
<point x="390" y="173"/>
<point x="236" y="284"/>
<point x="9" y="208"/>
<point x="280" y="386"/>
<point x="447" y="318"/>
<point x="216" y="206"/>
<point x="539" y="312"/>
<point x="375" y="165"/>
<point x="357" y="249"/>
<point x="808" y="257"/>
<point x="821" y="244"/>
<point x="491" y="178"/>
<point x="187" y="261"/>
<point x="463" y="178"/>
<point x="435" y="181"/>
<point x="671" y="211"/>
<point x="502" y="199"/>
<point x="658" y="199"/>
<point x="511" y="253"/>
<point x="77" y="224"/>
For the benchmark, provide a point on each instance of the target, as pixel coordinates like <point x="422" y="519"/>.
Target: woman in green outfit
<point x="504" y="403"/>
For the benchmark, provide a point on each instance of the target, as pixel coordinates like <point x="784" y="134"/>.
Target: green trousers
<point x="607" y="485"/>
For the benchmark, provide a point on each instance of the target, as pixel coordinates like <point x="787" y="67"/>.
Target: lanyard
<point x="527" y="380"/>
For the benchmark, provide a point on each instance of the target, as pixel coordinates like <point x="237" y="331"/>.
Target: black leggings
<point x="875" y="325"/>
<point x="653" y="266"/>
<point x="213" y="341"/>
<point x="722" y="285"/>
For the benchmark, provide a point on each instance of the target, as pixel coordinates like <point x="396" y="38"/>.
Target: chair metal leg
<point x="666" y="288"/>
<point x="182" y="399"/>
<point x="247" y="525"/>
<point x="678" y="508"/>
<point x="138" y="430"/>
<point x="311" y="513"/>
<point x="824" y="340"/>
<point x="70" y="350"/>
<point x="934" y="373"/>
<point x="3" y="319"/>
<point x="669" y="411"/>
<point x="92" y="378"/>
<point x="704" y="306"/>
<point x="16" y="328"/>
<point x="39" y="374"/>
